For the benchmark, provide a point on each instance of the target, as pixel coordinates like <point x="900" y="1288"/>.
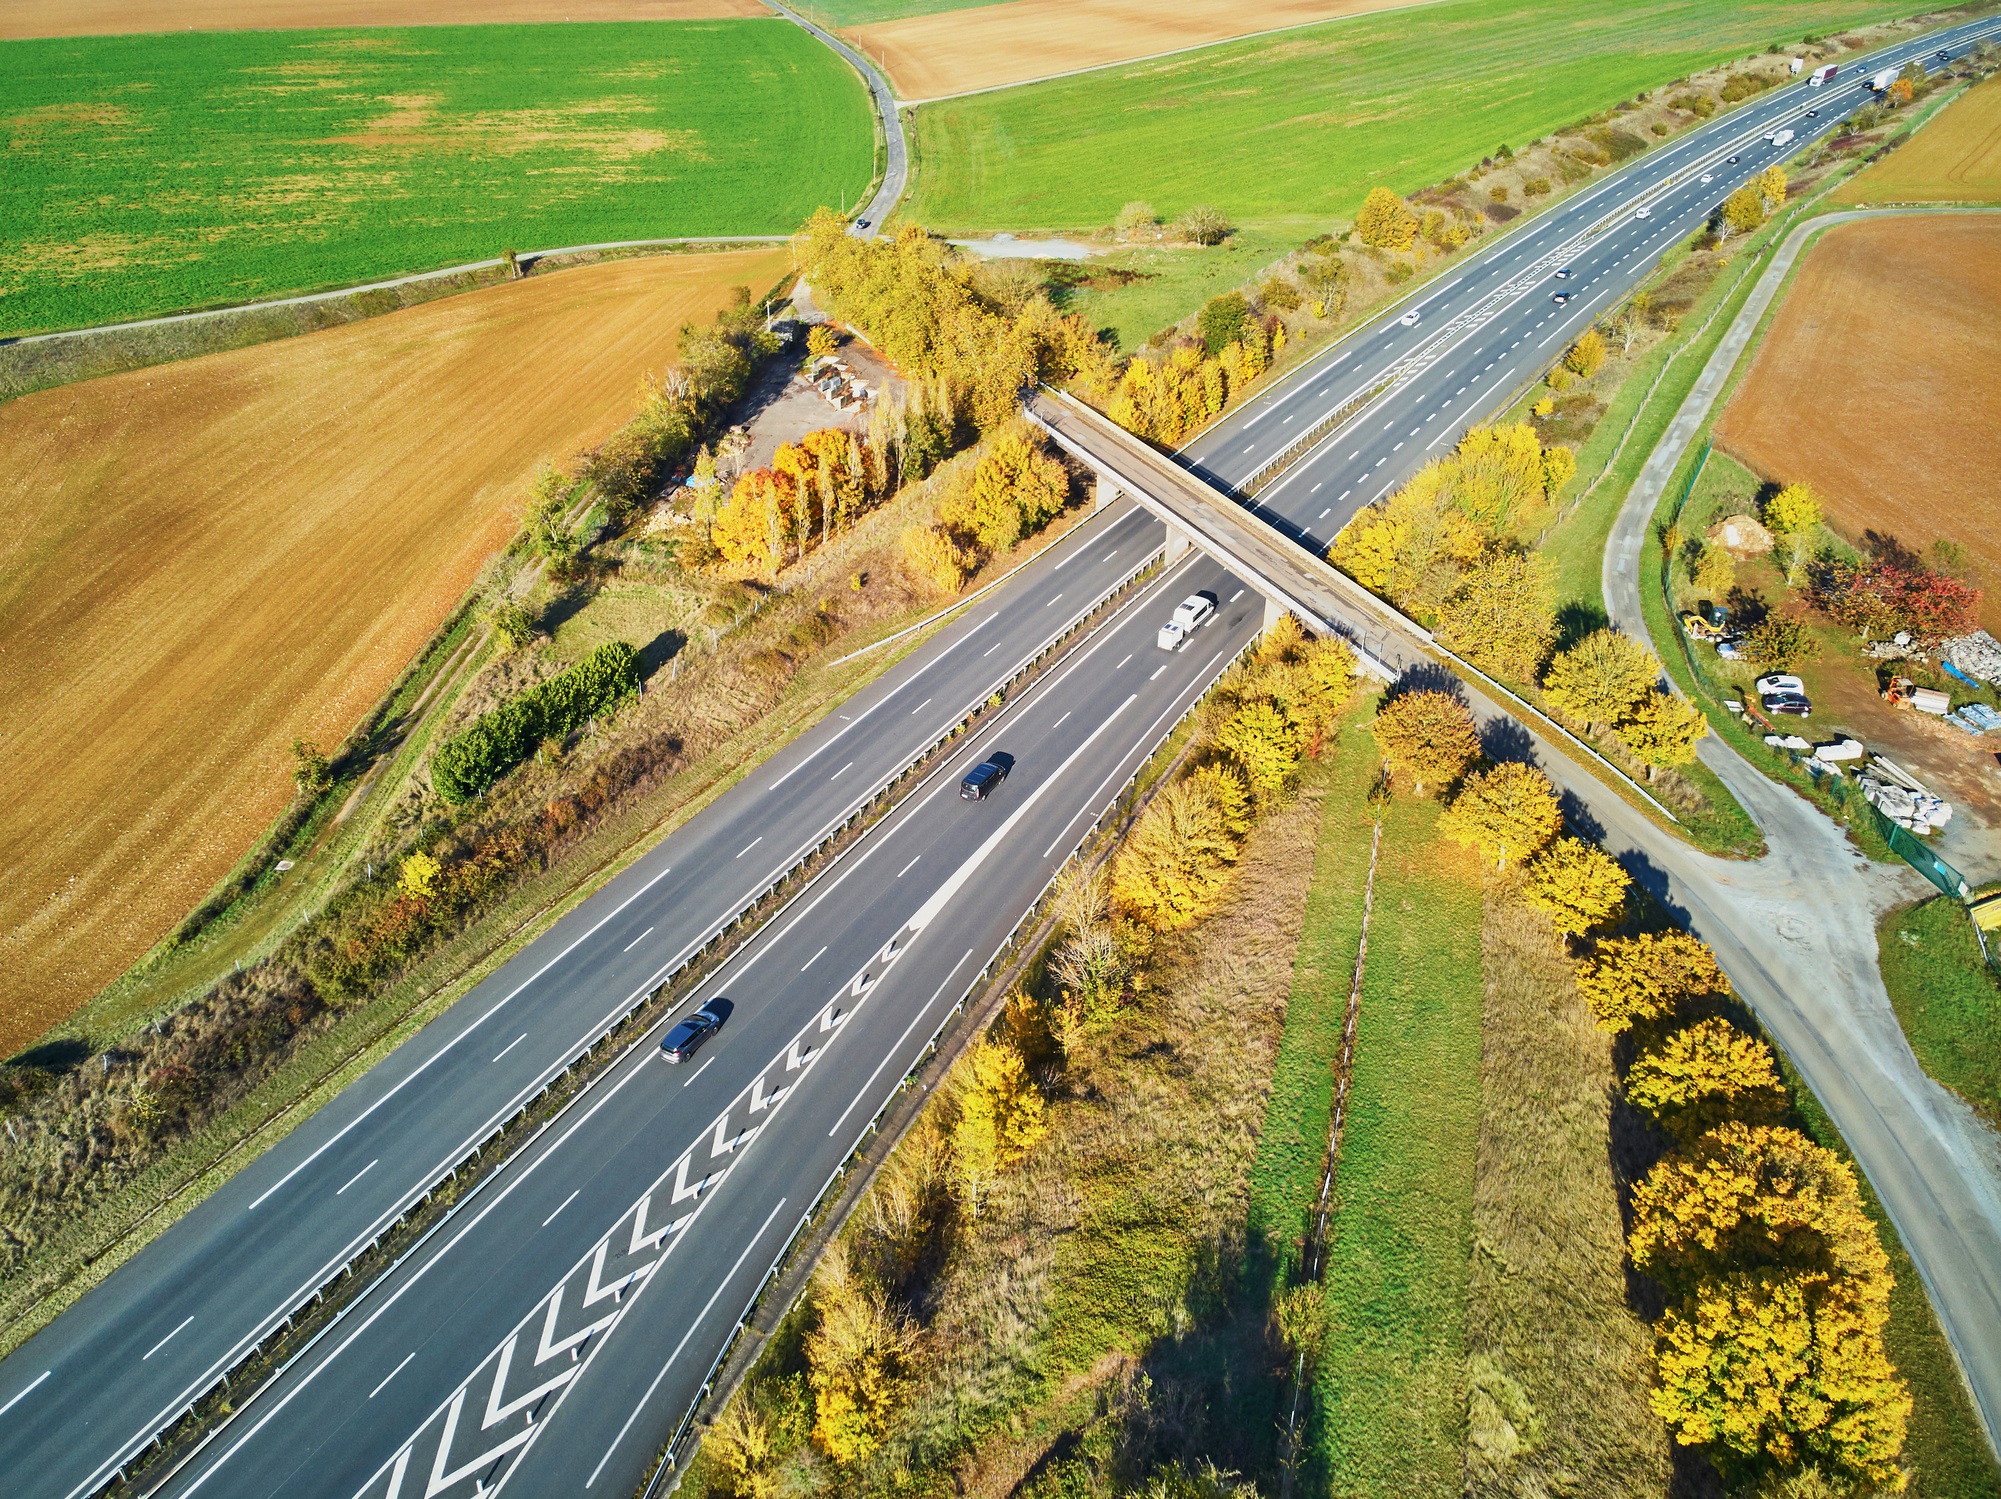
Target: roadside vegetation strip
<point x="1955" y="159"/>
<point x="1297" y="128"/>
<point x="1390" y="1388"/>
<point x="177" y="672"/>
<point x="761" y="126"/>
<point x="1948" y="997"/>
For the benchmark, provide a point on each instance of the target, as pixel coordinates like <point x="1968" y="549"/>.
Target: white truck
<point x="1779" y="138"/>
<point x="1822" y="75"/>
<point x="1882" y="81"/>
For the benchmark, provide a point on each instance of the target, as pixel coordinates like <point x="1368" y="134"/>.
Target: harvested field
<point x="27" y="18"/>
<point x="1902" y="442"/>
<point x="158" y="174"/>
<point x="213" y="557"/>
<point x="1956" y="158"/>
<point x="956" y="52"/>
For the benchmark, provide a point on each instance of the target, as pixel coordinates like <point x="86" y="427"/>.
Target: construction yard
<point x="214" y="557"/>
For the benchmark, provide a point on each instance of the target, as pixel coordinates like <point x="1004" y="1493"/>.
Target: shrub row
<point x="473" y="759"/>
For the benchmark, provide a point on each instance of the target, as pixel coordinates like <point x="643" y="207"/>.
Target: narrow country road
<point x="1797" y="931"/>
<point x="896" y="170"/>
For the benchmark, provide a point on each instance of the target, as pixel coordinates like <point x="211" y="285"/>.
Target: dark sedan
<point x="686" y="1039"/>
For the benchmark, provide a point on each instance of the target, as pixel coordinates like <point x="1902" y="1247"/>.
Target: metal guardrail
<point x="1266" y="473"/>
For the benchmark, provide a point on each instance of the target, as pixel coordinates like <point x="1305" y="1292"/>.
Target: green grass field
<point x="153" y="174"/>
<point x="832" y="13"/>
<point x="1390" y="1391"/>
<point x="1947" y="998"/>
<point x="1298" y="127"/>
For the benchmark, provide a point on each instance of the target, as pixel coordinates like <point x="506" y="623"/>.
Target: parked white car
<point x="1781" y="683"/>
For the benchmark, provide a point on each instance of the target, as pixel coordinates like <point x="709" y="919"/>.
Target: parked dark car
<point x="984" y="779"/>
<point x="686" y="1039"/>
<point x="1789" y="702"/>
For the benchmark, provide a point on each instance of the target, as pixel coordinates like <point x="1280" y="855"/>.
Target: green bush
<point x="1221" y="320"/>
<point x="496" y="742"/>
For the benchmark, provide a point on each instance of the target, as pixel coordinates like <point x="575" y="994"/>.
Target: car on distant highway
<point x="1733" y="161"/>
<point x="1708" y="177"/>
<point x="1643" y="212"/>
<point x="1560" y="298"/>
<point x="686" y="1039"/>
<point x="1563" y="274"/>
<point x="1189" y="616"/>
<point x="1409" y="319"/>
<point x="984" y="779"/>
<point x="1813" y="114"/>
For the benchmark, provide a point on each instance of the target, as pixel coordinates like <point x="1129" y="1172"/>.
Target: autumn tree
<point x="1503" y="617"/>
<point x="999" y="1117"/>
<point x="1780" y="642"/>
<point x="1559" y="467"/>
<point x="1265" y="744"/>
<point x="1772" y="186"/>
<point x="1587" y="356"/>
<point x="821" y="340"/>
<point x="1015" y="490"/>
<point x="1507" y="812"/>
<point x="418" y="877"/>
<point x="1385" y="220"/>
<point x="1171" y="868"/>
<point x="1647" y="977"/>
<point x="858" y="1359"/>
<point x="1715" y="572"/>
<point x="1793" y="515"/>
<point x="311" y="772"/>
<point x="1577" y="884"/>
<point x="740" y="1440"/>
<point x="1600" y="679"/>
<point x="1744" y="210"/>
<point x="1702" y="1075"/>
<point x="935" y="557"/>
<point x="1663" y="730"/>
<point x="1426" y="736"/>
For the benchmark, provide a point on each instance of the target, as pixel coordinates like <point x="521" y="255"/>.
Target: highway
<point x="78" y="1399"/>
<point x="427" y="1379"/>
<point x="1489" y="325"/>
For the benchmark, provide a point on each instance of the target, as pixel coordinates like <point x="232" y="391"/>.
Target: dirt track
<point x="25" y="18"/>
<point x="206" y="559"/>
<point x="1878" y="385"/>
<point x="956" y="51"/>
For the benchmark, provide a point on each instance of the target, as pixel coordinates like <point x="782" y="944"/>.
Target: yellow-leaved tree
<point x="1703" y="1075"/>
<point x="1587" y="355"/>
<point x="936" y="558"/>
<point x="1600" y="679"/>
<point x="1630" y="979"/>
<point x="1508" y="812"/>
<point x="858" y="1359"/>
<point x="1503" y="616"/>
<point x="1000" y="1117"/>
<point x="1578" y="885"/>
<point x="1265" y="745"/>
<point x="1426" y="737"/>
<point x="1385" y="220"/>
<point x="1015" y="490"/>
<point x="740" y="1441"/>
<point x="1663" y="730"/>
<point x="418" y="876"/>
<point x="1171" y="868"/>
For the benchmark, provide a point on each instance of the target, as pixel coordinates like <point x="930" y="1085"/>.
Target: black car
<point x="1789" y="702"/>
<point x="984" y="779"/>
<point x="686" y="1039"/>
<point x="1733" y="161"/>
<point x="1564" y="274"/>
<point x="1813" y="114"/>
<point x="1560" y="298"/>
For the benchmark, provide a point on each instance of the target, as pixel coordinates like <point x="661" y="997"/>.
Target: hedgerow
<point x="473" y="759"/>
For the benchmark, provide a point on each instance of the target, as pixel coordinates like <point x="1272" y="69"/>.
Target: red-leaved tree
<point x="1881" y="598"/>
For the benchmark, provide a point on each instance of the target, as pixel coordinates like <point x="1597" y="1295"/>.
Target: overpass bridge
<point x="1292" y="576"/>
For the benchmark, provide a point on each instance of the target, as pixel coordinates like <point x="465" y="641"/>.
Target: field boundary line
<point x="1122" y="62"/>
<point x="304" y="299"/>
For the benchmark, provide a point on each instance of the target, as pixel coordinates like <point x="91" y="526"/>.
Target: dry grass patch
<point x="1903" y="443"/>
<point x="1558" y="1365"/>
<point x="1954" y="159"/>
<point x="212" y="558"/>
<point x="26" y="18"/>
<point x="991" y="46"/>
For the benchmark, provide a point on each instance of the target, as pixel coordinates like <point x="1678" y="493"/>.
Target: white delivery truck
<point x="1822" y="75"/>
<point x="1882" y="81"/>
<point x="1780" y="137"/>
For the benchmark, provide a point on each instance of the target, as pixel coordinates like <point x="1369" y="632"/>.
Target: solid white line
<point x="908" y="867"/>
<point x="699" y="1071"/>
<point x="511" y="1045"/>
<point x="699" y="1316"/>
<point x="163" y="1342"/>
<point x="545" y="1223"/>
<point x="897" y="1043"/>
<point x="23" y="1391"/>
<point x="630" y="946"/>
<point x="359" y="1175"/>
<point x="811" y="961"/>
<point x="413" y="1352"/>
<point x="750" y="845"/>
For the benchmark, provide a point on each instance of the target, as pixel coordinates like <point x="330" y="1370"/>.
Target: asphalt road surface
<point x="82" y="1396"/>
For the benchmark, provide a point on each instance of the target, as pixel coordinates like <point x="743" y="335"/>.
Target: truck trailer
<point x="1882" y="81"/>
<point x="1822" y="75"/>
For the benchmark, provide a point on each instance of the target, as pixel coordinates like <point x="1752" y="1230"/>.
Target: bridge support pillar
<point x="1107" y="492"/>
<point x="1274" y="612"/>
<point x="1177" y="545"/>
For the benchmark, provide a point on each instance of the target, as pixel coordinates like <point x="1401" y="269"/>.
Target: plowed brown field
<point x="1954" y="159"/>
<point x="1878" y="384"/>
<point x="957" y="51"/>
<point x="202" y="561"/>
<point x="25" y="18"/>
